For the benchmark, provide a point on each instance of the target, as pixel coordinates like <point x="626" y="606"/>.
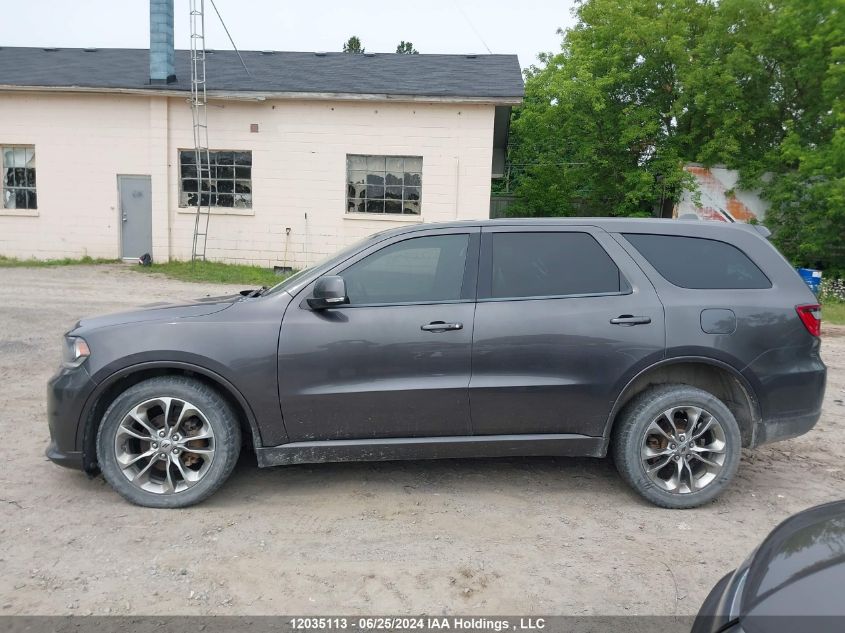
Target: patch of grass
<point x="14" y="262"/>
<point x="833" y="312"/>
<point x="215" y="272"/>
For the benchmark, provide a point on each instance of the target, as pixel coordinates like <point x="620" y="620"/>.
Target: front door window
<point x="419" y="270"/>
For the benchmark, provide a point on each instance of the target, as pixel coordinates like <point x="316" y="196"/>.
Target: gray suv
<point x="668" y="344"/>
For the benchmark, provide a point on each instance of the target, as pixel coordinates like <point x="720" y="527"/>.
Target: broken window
<point x="226" y="183"/>
<point x="18" y="165"/>
<point x="383" y="184"/>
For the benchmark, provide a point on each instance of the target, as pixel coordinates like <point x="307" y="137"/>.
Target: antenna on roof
<point x="232" y="41"/>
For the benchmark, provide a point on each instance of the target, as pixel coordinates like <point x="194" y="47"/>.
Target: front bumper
<point x="67" y="392"/>
<point x="68" y="459"/>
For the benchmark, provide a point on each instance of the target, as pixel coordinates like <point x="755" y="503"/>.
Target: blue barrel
<point x="811" y="277"/>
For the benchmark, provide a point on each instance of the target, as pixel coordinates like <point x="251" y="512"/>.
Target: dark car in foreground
<point x="792" y="582"/>
<point x="670" y="344"/>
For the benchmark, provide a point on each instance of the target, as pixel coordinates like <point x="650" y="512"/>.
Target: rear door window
<point x="551" y="264"/>
<point x="699" y="263"/>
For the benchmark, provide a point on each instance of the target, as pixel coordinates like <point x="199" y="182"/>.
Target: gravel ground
<point x="511" y="536"/>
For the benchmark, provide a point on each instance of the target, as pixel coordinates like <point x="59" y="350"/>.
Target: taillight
<point x="811" y="317"/>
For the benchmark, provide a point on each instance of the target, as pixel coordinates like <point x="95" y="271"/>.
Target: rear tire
<point x="667" y="462"/>
<point x="168" y="442"/>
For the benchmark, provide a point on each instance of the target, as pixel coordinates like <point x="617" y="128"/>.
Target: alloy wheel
<point x="684" y="449"/>
<point x="164" y="445"/>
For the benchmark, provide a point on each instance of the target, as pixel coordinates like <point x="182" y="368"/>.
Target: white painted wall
<point x="299" y="167"/>
<point x="81" y="143"/>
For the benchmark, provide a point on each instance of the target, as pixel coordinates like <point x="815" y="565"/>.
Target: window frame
<point x="384" y="214"/>
<point x="485" y="275"/>
<point x="16" y="210"/>
<point x="470" y="278"/>
<point x="219" y="209"/>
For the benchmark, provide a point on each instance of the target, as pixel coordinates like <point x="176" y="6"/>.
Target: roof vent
<point x="320" y="53"/>
<point x="51" y="50"/>
<point x="90" y="50"/>
<point x="369" y="54"/>
<point x="472" y="56"/>
<point x="268" y="52"/>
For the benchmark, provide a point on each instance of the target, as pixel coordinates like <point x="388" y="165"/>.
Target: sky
<point x="523" y="27"/>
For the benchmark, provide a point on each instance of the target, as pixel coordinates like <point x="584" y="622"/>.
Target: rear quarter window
<point x="699" y="263"/>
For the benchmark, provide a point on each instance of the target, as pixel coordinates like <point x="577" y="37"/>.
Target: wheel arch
<point x="116" y="383"/>
<point x="714" y="376"/>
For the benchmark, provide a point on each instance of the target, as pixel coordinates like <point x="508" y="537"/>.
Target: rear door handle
<point x="441" y="326"/>
<point x="627" y="319"/>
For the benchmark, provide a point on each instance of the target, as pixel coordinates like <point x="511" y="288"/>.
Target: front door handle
<point x="627" y="319"/>
<point x="440" y="326"/>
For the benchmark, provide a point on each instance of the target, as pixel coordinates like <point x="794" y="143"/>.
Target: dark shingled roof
<point x="469" y="76"/>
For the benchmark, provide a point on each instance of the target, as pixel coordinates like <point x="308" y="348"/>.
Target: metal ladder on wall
<point x="199" y="113"/>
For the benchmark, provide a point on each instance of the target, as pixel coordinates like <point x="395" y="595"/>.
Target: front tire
<point x="168" y="442"/>
<point x="677" y="446"/>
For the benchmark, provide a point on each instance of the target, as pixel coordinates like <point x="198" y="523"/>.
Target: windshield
<point x="324" y="264"/>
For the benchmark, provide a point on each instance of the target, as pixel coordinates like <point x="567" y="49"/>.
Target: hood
<point x="161" y="310"/>
<point x="798" y="570"/>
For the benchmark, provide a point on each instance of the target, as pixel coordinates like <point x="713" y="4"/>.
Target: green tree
<point x="353" y="45"/>
<point x="641" y="87"/>
<point x="802" y="171"/>
<point x="769" y="100"/>
<point x="406" y="48"/>
<point x="599" y="131"/>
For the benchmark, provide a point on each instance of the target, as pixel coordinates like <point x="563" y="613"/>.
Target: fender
<point x="676" y="360"/>
<point x="112" y="378"/>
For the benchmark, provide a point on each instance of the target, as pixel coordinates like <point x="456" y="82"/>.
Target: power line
<point x="472" y="26"/>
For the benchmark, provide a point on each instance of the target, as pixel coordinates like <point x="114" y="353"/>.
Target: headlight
<point x="75" y="351"/>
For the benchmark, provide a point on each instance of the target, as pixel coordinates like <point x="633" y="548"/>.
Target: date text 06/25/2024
<point x="418" y="623"/>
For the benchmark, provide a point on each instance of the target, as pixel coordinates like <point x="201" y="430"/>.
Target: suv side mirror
<point x="329" y="292"/>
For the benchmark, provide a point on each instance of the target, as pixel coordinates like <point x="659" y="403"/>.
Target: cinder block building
<point x="309" y="151"/>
